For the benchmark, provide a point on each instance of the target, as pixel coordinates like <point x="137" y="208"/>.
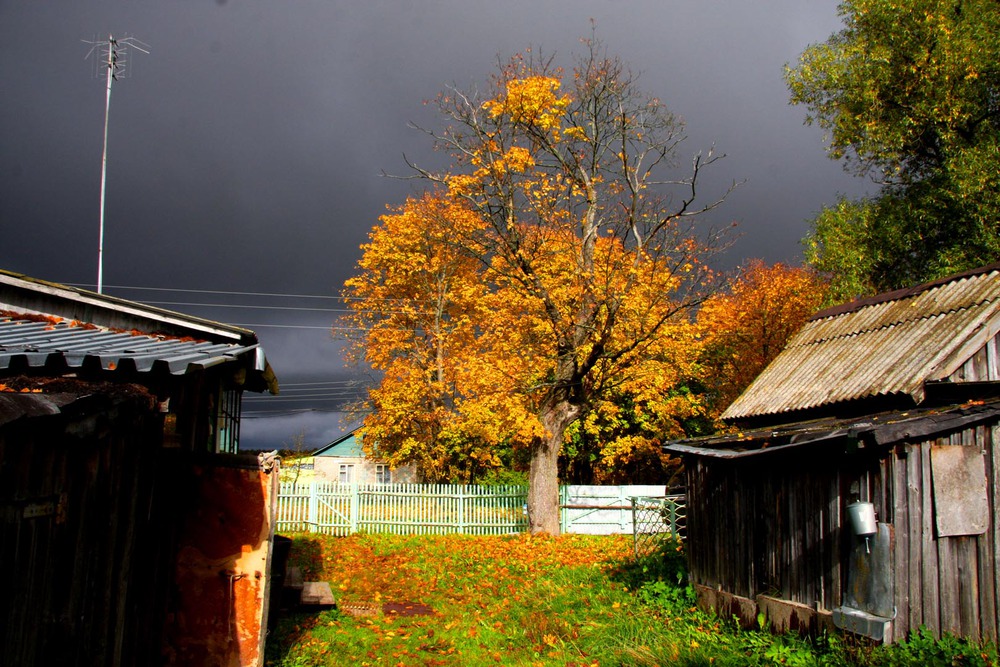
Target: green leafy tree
<point x="909" y="95"/>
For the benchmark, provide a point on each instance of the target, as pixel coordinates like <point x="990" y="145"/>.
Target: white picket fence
<point x="342" y="509"/>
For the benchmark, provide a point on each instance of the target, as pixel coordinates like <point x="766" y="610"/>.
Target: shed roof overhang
<point x="30" y="343"/>
<point x="876" y="430"/>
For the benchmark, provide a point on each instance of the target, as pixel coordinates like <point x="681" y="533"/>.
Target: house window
<point x="346" y="473"/>
<point x="383" y="474"/>
<point x="227" y="422"/>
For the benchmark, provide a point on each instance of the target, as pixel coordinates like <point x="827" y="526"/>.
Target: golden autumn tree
<point x="591" y="257"/>
<point x="750" y="323"/>
<point x="415" y="301"/>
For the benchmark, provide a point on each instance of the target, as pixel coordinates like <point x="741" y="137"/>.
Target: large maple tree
<point x="586" y="250"/>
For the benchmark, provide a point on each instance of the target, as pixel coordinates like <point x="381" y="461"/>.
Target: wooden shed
<point x="132" y="532"/>
<point x="893" y="401"/>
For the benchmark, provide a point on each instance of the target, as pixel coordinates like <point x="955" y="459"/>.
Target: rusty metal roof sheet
<point x="876" y="430"/>
<point x="38" y="343"/>
<point x="880" y="347"/>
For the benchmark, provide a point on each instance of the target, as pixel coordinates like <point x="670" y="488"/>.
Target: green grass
<point x="572" y="601"/>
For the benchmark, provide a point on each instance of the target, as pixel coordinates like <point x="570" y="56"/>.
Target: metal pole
<point x="112" y="57"/>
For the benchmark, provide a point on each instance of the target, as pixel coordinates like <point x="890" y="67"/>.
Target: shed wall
<point x="772" y="526"/>
<point x="775" y="525"/>
<point x="948" y="584"/>
<point x="84" y="563"/>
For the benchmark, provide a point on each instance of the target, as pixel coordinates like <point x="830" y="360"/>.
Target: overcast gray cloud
<point x="245" y="150"/>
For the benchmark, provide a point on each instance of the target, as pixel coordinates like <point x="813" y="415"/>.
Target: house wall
<point x="327" y="468"/>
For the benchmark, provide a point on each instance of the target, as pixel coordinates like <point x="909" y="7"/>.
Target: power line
<point x="332" y="391"/>
<point x="232" y="293"/>
<point x="340" y="399"/>
<point x="302" y="384"/>
<point x="237" y="305"/>
<point x="262" y="414"/>
<point x="279" y="326"/>
<point x="206" y="291"/>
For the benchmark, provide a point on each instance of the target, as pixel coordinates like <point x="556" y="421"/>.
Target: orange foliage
<point x="556" y="269"/>
<point x="748" y="326"/>
<point x="467" y="354"/>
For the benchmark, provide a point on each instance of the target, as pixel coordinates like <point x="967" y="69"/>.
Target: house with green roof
<point x="344" y="461"/>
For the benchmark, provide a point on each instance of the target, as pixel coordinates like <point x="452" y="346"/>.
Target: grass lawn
<point x="571" y="601"/>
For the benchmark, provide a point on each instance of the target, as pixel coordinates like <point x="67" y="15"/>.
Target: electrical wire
<point x="231" y="293"/>
<point x="339" y="392"/>
<point x="241" y="305"/>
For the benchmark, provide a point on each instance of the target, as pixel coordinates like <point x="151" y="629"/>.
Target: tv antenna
<point x="113" y="64"/>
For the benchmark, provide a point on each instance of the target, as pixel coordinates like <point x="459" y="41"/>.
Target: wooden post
<point x="355" y="501"/>
<point x="313" y="508"/>
<point x="563" y="510"/>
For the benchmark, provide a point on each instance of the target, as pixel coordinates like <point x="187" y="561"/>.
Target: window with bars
<point x="226" y="434"/>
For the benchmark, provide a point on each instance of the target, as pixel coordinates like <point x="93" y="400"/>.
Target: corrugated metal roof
<point x="880" y="430"/>
<point x="37" y="343"/>
<point x="891" y="346"/>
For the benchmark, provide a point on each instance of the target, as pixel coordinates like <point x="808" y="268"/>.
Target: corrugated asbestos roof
<point x="880" y="347"/>
<point x="37" y="343"/>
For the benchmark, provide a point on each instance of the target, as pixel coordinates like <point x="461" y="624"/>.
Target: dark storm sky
<point x="245" y="150"/>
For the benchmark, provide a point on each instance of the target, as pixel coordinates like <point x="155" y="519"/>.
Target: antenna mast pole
<point x="113" y="66"/>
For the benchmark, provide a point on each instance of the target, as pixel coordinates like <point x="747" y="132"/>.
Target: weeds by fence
<point x="421" y="509"/>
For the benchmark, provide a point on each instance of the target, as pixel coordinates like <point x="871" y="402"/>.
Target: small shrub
<point x="667" y="596"/>
<point x="504" y="478"/>
<point x="668" y="563"/>
<point x="922" y="648"/>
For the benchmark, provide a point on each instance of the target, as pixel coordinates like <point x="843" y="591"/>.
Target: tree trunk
<point x="543" y="475"/>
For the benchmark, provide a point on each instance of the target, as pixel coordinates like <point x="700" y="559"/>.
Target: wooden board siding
<point x="93" y="513"/>
<point x="81" y="557"/>
<point x="767" y="528"/>
<point x="982" y="366"/>
<point x="774" y="525"/>
<point x="948" y="584"/>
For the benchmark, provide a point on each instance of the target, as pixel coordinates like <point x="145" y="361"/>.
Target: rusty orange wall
<point x="219" y="614"/>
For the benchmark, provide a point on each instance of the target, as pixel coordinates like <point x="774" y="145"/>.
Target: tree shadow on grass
<point x="668" y="563"/>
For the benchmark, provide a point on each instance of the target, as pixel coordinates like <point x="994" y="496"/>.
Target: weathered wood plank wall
<point x="768" y="527"/>
<point x="774" y="525"/>
<point x="77" y="543"/>
<point x="948" y="584"/>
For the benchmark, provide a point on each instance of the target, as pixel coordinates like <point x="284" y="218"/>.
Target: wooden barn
<point x="890" y="404"/>
<point x="131" y="530"/>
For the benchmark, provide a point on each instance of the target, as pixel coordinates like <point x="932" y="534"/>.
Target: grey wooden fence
<point x="343" y="509"/>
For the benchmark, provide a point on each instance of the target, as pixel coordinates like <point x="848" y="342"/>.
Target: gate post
<point x="313" y="508"/>
<point x="563" y="510"/>
<point x="622" y="512"/>
<point x="355" y="500"/>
